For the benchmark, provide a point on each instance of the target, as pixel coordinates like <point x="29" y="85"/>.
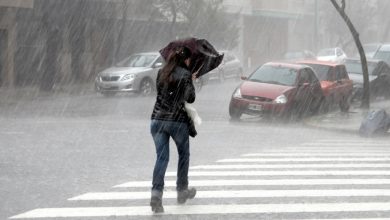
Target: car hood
<point x="358" y="78"/>
<point x="116" y="71"/>
<point x="270" y="91"/>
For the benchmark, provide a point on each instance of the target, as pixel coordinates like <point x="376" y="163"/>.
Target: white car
<point x="137" y="73"/>
<point x="334" y="54"/>
<point x="230" y="67"/>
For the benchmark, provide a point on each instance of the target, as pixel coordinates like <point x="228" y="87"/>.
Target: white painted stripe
<point x="288" y="173"/>
<point x="315" y="154"/>
<point x="292" y="166"/>
<point x="12" y="132"/>
<point x="116" y="131"/>
<point x="346" y="144"/>
<point x="326" y="151"/>
<point x="205" y="209"/>
<point x="344" y="219"/>
<point x="363" y="140"/>
<point x="262" y="182"/>
<point x="237" y="194"/>
<point x="308" y="159"/>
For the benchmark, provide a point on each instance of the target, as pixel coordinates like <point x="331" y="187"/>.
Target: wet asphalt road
<point x="57" y="147"/>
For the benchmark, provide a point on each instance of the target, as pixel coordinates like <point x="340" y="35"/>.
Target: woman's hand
<point x="194" y="75"/>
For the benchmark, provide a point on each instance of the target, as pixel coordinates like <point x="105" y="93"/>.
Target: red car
<point x="335" y="83"/>
<point x="277" y="89"/>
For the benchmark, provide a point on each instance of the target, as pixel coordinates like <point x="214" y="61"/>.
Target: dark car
<point x="335" y="83"/>
<point x="277" y="89"/>
<point x="383" y="53"/>
<point x="378" y="74"/>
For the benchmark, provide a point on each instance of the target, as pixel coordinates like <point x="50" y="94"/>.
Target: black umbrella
<point x="204" y="56"/>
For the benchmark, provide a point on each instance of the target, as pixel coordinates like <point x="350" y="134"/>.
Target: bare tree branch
<point x="366" y="90"/>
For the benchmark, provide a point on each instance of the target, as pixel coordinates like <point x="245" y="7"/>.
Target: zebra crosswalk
<point x="317" y="180"/>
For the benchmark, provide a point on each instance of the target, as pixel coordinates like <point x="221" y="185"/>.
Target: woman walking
<point x="169" y="119"/>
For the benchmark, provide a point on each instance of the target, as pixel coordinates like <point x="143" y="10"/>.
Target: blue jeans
<point x="161" y="132"/>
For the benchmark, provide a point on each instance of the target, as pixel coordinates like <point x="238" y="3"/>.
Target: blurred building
<point x="49" y="42"/>
<point x="271" y="28"/>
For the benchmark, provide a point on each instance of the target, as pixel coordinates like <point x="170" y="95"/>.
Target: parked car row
<point x="138" y="72"/>
<point x="292" y="90"/>
<point x="279" y="90"/>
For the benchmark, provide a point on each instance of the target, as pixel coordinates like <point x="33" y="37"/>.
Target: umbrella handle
<point x="196" y="72"/>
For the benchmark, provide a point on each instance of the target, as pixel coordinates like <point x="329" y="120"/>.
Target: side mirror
<point x="157" y="65"/>
<point x="244" y="78"/>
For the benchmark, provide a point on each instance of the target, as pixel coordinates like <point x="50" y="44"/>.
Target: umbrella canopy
<point x="204" y="56"/>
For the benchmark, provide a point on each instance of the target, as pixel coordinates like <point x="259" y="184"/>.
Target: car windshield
<point x="356" y="67"/>
<point x="382" y="55"/>
<point x="274" y="75"/>
<point x="326" y="52"/>
<point x="321" y="71"/>
<point x="137" y="60"/>
<point x="370" y="48"/>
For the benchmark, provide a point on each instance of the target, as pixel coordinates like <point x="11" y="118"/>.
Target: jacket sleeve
<point x="189" y="91"/>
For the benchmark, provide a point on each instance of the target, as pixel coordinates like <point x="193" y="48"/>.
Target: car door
<point x="343" y="88"/>
<point x="303" y="88"/>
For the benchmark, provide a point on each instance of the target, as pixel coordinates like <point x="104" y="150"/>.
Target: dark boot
<point x="183" y="195"/>
<point x="156" y="202"/>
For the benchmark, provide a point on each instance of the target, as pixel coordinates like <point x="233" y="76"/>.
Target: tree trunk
<point x="121" y="31"/>
<point x="366" y="89"/>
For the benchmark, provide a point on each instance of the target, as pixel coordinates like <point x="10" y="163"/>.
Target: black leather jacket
<point x="170" y="99"/>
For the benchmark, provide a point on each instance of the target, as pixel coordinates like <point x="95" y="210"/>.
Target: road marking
<point x="262" y="182"/>
<point x="363" y="140"/>
<point x="289" y="173"/>
<point x="292" y="166"/>
<point x="205" y="209"/>
<point x="12" y="132"/>
<point x="345" y="144"/>
<point x="238" y="194"/>
<point x="316" y="154"/>
<point x="343" y="219"/>
<point x="327" y="151"/>
<point x="307" y="159"/>
<point x="116" y="131"/>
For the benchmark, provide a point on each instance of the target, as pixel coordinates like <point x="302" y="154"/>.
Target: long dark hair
<point x="177" y="58"/>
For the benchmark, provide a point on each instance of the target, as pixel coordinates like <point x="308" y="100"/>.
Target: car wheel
<point x="316" y="105"/>
<point x="327" y="104"/>
<point x="235" y="114"/>
<point x="146" y="87"/>
<point x="344" y="104"/>
<point x="294" y="114"/>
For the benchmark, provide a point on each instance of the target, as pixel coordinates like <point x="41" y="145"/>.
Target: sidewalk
<point x="346" y="122"/>
<point x="30" y="93"/>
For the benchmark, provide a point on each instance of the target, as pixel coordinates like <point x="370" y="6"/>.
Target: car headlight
<point x="127" y="77"/>
<point x="282" y="99"/>
<point x="237" y="94"/>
